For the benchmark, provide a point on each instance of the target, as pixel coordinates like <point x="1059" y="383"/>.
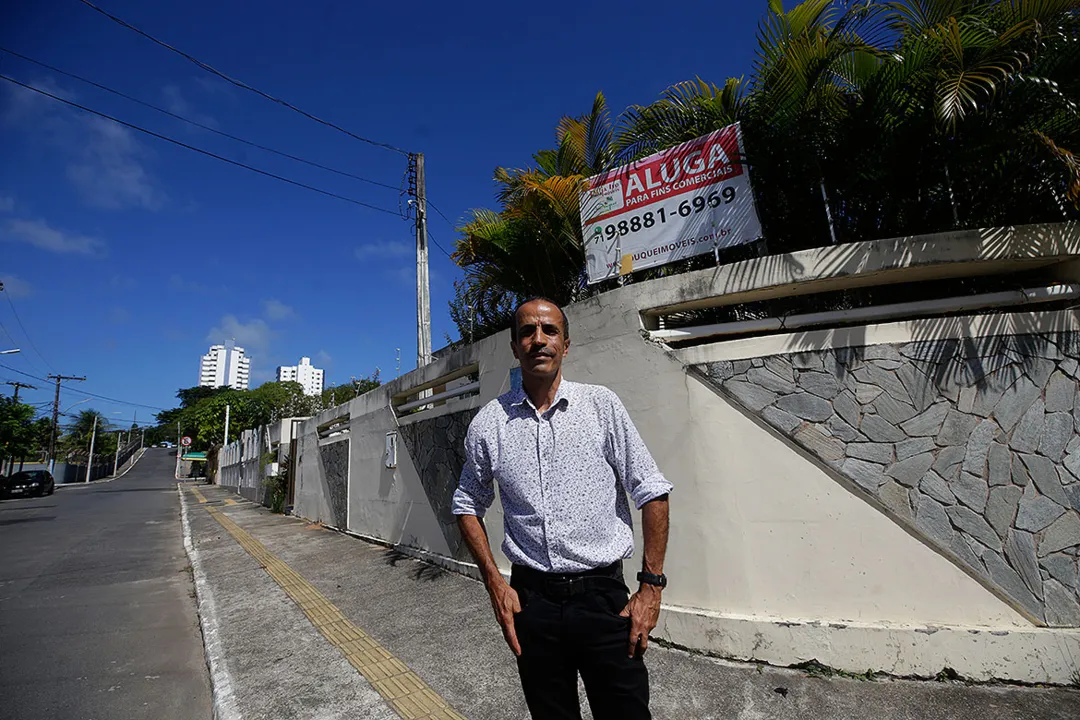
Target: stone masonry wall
<point x="334" y="457"/>
<point x="973" y="443"/>
<point x="437" y="449"/>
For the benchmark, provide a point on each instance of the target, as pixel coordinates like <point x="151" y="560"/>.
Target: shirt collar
<point x="564" y="393"/>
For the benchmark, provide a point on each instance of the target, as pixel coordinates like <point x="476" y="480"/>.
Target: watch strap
<point x="651" y="579"/>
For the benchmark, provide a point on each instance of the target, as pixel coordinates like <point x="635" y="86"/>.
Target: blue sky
<point x="125" y="257"/>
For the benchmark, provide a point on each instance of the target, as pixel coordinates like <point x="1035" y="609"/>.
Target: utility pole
<point x="116" y="459"/>
<point x="423" y="286"/>
<point x="226" y="425"/>
<point x="18" y="385"/>
<point x="90" y="457"/>
<point x="56" y="415"/>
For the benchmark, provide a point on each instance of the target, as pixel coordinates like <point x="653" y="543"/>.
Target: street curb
<point x="224" y="698"/>
<point x="142" y="451"/>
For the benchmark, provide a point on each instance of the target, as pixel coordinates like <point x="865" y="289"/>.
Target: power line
<point x="434" y="206"/>
<point x="85" y="392"/>
<point x="26" y="334"/>
<point x="197" y="149"/>
<point x="197" y="124"/>
<point x="432" y="239"/>
<point x="240" y="83"/>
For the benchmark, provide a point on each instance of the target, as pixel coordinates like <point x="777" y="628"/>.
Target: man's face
<point x="541" y="341"/>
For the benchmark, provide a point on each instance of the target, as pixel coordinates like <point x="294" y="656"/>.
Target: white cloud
<point x="254" y="336"/>
<point x="383" y="249"/>
<point x="105" y="161"/>
<point x="22" y="105"/>
<point x="276" y="310"/>
<point x="212" y="86"/>
<point x="16" y="286"/>
<point x="118" y="315"/>
<point x="7" y="204"/>
<point x="41" y="235"/>
<point x="323" y="359"/>
<point x="109" y="172"/>
<point x="176" y="103"/>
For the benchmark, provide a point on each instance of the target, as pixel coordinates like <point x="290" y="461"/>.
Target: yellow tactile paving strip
<point x="405" y="692"/>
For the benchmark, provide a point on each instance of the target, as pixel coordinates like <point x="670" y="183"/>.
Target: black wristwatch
<point x="650" y="579"/>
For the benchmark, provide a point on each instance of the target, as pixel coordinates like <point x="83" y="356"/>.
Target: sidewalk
<point x="293" y="614"/>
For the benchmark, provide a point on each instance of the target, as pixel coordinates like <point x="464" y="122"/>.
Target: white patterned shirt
<point x="563" y="477"/>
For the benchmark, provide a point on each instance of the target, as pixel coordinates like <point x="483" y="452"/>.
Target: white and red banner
<point x="680" y="202"/>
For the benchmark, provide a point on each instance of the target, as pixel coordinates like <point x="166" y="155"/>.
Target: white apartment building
<point x="225" y="366"/>
<point x="305" y="374"/>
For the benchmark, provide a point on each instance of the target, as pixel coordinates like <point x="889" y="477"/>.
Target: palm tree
<point x="533" y="244"/>
<point x="77" y="436"/>
<point x="861" y="120"/>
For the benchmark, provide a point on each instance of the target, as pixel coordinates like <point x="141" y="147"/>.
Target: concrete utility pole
<point x="226" y="425"/>
<point x="90" y="457"/>
<point x="116" y="459"/>
<point x="56" y="415"/>
<point x="423" y="286"/>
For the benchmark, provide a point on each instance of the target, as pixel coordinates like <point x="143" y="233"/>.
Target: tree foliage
<point x="76" y="436"/>
<point x="910" y="117"/>
<point x="201" y="414"/>
<point x="17" y="431"/>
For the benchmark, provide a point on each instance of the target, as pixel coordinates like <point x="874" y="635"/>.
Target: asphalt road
<point x="97" y="616"/>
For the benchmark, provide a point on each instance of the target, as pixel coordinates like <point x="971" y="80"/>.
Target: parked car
<point x="28" y="482"/>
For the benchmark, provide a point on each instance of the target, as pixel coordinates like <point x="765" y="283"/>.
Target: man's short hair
<point x="538" y="298"/>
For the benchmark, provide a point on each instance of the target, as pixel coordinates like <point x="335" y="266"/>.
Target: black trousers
<point x="564" y="631"/>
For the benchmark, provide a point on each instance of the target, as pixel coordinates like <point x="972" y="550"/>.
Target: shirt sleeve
<point x="475" y="491"/>
<point x="631" y="460"/>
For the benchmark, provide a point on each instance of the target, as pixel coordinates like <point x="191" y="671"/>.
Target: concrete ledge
<point x="1028" y="655"/>
<point x="963" y="253"/>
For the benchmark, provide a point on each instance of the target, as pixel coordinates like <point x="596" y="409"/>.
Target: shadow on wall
<point x="437" y="449"/>
<point x="973" y="443"/>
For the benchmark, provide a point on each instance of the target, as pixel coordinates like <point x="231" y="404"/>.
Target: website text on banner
<point x="688" y="200"/>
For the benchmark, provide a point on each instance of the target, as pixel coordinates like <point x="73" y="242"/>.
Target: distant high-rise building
<point x="307" y="375"/>
<point x="225" y="366"/>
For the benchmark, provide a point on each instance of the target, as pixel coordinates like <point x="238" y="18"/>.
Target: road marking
<point x="199" y="495"/>
<point x="408" y="695"/>
<point x="230" y="501"/>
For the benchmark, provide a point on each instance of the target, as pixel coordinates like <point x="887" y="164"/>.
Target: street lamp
<point x="64" y="412"/>
<point x="9" y="352"/>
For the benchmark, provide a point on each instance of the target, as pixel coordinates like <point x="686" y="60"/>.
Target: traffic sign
<point x="186" y="442"/>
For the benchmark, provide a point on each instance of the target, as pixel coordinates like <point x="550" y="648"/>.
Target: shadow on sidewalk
<point x="422" y="571"/>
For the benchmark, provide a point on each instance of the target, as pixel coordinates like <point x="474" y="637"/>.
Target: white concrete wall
<point x="762" y="539"/>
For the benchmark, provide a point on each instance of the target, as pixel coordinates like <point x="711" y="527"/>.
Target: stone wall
<point x="437" y="449"/>
<point x="334" y="458"/>
<point x="973" y="443"/>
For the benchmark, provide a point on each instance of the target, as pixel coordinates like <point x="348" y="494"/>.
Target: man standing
<point x="565" y="456"/>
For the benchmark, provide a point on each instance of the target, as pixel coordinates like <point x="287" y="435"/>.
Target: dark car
<point x="28" y="482"/>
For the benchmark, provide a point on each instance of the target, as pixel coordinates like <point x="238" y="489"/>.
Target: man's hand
<point x="643" y="611"/>
<point x="505" y="602"/>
